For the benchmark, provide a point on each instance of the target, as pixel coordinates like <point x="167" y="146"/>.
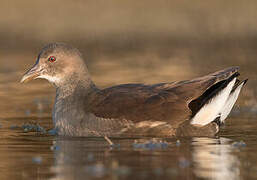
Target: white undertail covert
<point x="216" y="106"/>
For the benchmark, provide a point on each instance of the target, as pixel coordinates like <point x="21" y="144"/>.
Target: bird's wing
<point x="167" y="102"/>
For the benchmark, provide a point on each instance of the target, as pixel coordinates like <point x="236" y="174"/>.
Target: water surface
<point x="31" y="155"/>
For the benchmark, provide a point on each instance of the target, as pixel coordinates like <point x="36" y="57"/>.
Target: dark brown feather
<point x="159" y="102"/>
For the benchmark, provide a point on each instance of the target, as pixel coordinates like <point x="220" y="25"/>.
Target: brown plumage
<point x="164" y="109"/>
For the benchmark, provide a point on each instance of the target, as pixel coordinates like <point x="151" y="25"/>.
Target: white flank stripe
<point x="230" y="103"/>
<point x="149" y="124"/>
<point x="212" y="109"/>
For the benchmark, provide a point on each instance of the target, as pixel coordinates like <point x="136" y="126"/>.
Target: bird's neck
<point x="70" y="102"/>
<point x="78" y="81"/>
<point x="76" y="87"/>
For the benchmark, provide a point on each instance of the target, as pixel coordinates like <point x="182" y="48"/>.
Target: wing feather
<point x="159" y="102"/>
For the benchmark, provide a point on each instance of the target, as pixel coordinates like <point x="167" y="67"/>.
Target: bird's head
<point x="57" y="62"/>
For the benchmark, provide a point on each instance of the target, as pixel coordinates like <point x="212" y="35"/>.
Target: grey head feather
<point x="58" y="48"/>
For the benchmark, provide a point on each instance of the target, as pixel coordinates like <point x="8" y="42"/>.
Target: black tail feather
<point x="198" y="103"/>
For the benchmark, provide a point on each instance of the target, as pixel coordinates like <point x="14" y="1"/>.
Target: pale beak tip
<point x="28" y="77"/>
<point x="33" y="73"/>
<point x="23" y="80"/>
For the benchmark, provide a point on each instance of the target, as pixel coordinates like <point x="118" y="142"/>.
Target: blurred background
<point x="126" y="42"/>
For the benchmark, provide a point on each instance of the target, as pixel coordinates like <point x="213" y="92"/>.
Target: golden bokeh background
<point x="126" y="42"/>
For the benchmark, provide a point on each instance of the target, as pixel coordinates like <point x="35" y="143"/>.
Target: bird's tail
<point x="216" y="103"/>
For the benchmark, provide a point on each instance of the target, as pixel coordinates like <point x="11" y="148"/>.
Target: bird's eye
<point x="51" y="59"/>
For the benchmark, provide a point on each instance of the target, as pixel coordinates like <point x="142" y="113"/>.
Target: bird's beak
<point x="31" y="74"/>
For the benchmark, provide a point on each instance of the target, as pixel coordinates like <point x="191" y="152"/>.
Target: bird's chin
<point x="53" y="80"/>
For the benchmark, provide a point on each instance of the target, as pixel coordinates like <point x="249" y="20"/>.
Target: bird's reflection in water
<point x="207" y="158"/>
<point x="77" y="158"/>
<point x="213" y="159"/>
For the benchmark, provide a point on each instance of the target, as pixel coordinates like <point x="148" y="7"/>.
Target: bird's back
<point x="164" y="102"/>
